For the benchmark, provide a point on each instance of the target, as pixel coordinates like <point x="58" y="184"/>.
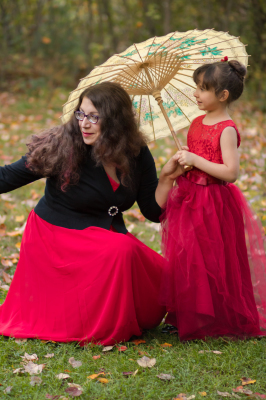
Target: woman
<point x="81" y="275"/>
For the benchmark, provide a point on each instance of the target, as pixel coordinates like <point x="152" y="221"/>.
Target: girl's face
<point x="206" y="99"/>
<point x="90" y="132"/>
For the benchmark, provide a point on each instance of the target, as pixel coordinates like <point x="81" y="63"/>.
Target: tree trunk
<point x="167" y="16"/>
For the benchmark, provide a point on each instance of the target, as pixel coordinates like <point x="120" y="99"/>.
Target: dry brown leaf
<point x="240" y="389"/>
<point x="20" y="341"/>
<point x="8" y="389"/>
<point x="74" y="392"/>
<point x="96" y="357"/>
<point x="108" y="348"/>
<point x="13" y="234"/>
<point x="7" y="278"/>
<point x="247" y="381"/>
<point x="35" y="380"/>
<point x="6" y="263"/>
<point x="138" y="341"/>
<point x="34" y="369"/>
<point x="62" y="376"/>
<point x="216" y="352"/>
<point x="74" y="363"/>
<point x="203" y="394"/>
<point x="146" y="362"/>
<point x="75" y="385"/>
<point x="4" y="287"/>
<point x="165" y="377"/>
<point x="49" y="355"/>
<point x="19" y="371"/>
<point x="28" y="357"/>
<point x="224" y="394"/>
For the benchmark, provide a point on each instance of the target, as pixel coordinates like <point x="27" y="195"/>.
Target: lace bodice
<point x="204" y="140"/>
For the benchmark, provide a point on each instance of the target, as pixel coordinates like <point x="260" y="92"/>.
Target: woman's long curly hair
<point x="60" y="151"/>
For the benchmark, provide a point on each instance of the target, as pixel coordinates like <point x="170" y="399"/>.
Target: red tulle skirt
<point x="82" y="285"/>
<point x="214" y="280"/>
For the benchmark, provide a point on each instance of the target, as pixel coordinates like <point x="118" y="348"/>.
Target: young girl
<point x="214" y="280"/>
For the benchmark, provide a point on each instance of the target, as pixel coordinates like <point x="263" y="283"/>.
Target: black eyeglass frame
<point x="78" y="112"/>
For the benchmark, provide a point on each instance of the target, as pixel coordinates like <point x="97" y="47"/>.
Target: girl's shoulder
<point x="227" y="123"/>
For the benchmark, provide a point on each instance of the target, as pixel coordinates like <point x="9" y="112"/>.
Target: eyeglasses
<point x="80" y="115"/>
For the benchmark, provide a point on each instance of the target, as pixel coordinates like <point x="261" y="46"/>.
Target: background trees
<point x="55" y="42"/>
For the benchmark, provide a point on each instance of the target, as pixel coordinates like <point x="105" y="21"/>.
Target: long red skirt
<point x="82" y="285"/>
<point x="214" y="281"/>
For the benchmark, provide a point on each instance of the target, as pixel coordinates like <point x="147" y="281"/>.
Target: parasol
<point x="157" y="74"/>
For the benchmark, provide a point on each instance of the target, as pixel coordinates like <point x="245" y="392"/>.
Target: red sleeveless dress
<point x="214" y="280"/>
<point x="90" y="285"/>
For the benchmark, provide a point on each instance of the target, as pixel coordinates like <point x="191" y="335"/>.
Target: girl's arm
<point x="228" y="171"/>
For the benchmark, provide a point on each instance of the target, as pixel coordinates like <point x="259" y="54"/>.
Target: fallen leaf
<point x="203" y="394"/>
<point x="146" y="362"/>
<point x="96" y="357"/>
<point x="4" y="287"/>
<point x="121" y="348"/>
<point x="8" y="389"/>
<point x="165" y="377"/>
<point x="108" y="348"/>
<point x="13" y="234"/>
<point x="18" y="245"/>
<point x="138" y="341"/>
<point x="35" y="380"/>
<point x="66" y="370"/>
<point x="28" y="357"/>
<point x="247" y="381"/>
<point x="34" y="369"/>
<point x="19" y="371"/>
<point x="166" y="345"/>
<point x="19" y="218"/>
<point x="49" y="355"/>
<point x="128" y="373"/>
<point x="240" y="389"/>
<point x="103" y="380"/>
<point x="217" y="352"/>
<point x="75" y="385"/>
<point x="74" y="363"/>
<point x="62" y="376"/>
<point x="262" y="396"/>
<point x="74" y="392"/>
<point x="6" y="263"/>
<point x="141" y="353"/>
<point x="50" y="396"/>
<point x="20" y="341"/>
<point x="224" y="394"/>
<point x="93" y="376"/>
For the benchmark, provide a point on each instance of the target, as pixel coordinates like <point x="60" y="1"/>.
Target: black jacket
<point x="87" y="203"/>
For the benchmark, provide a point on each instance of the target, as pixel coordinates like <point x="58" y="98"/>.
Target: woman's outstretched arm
<point x="15" y="175"/>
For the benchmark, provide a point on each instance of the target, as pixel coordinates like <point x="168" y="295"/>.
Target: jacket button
<point x="113" y="211"/>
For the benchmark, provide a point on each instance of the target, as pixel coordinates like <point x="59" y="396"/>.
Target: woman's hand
<point x="184" y="157"/>
<point x="172" y="169"/>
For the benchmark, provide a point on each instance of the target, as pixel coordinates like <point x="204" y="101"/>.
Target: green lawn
<point x="193" y="372"/>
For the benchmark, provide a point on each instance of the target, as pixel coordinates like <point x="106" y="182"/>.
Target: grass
<point x="193" y="372"/>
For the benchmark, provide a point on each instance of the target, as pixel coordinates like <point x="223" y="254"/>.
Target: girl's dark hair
<point x="222" y="76"/>
<point x="61" y="150"/>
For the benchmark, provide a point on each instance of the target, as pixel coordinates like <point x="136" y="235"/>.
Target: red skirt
<point x="214" y="281"/>
<point x="89" y="285"/>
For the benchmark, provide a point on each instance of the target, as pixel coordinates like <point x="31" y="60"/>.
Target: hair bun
<point x="239" y="68"/>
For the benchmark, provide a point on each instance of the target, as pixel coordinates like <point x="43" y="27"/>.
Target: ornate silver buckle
<point x="113" y="211"/>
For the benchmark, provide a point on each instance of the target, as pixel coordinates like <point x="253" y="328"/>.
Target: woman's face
<point x="90" y="132"/>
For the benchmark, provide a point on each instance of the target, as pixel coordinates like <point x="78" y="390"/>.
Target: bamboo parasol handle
<point x="157" y="95"/>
